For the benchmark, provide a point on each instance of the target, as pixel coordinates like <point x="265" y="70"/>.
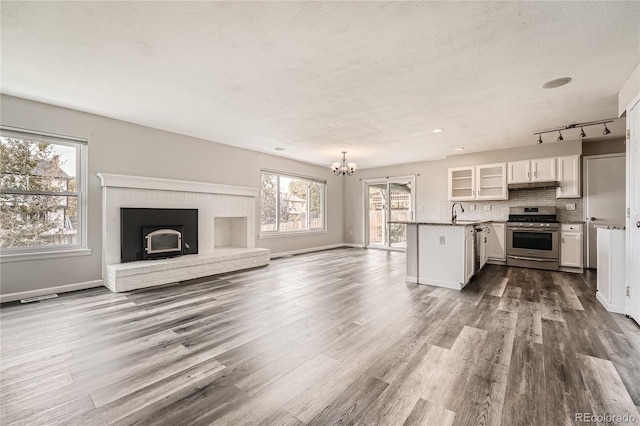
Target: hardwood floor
<point x="334" y="337"/>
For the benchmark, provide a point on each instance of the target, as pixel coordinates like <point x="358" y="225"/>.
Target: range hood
<point x="534" y="185"/>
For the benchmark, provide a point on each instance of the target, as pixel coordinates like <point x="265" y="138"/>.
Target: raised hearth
<point x="226" y="229"/>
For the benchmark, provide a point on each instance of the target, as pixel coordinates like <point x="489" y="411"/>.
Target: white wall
<point x="431" y="184"/>
<point x="124" y="148"/>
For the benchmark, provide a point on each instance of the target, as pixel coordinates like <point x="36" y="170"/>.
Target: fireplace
<point x="157" y="233"/>
<point x="162" y="241"/>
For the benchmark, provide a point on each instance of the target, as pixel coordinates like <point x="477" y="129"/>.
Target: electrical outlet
<point x="570" y="206"/>
<point x="487" y="207"/>
<point x="472" y="207"/>
<point x="288" y="238"/>
<point x="350" y="232"/>
<point x="442" y="239"/>
<point x="420" y="208"/>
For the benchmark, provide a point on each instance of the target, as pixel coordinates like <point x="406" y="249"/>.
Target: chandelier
<point x="343" y="167"/>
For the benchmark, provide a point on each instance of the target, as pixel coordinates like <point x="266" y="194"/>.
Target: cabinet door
<point x="491" y="182"/>
<point x="569" y="177"/>
<point x="495" y="242"/>
<point x="462" y="183"/>
<point x="543" y="169"/>
<point x="519" y="171"/>
<point x="571" y="250"/>
<point x="469" y="255"/>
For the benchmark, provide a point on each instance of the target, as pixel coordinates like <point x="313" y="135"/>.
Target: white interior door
<point x="632" y="303"/>
<point x="604" y="188"/>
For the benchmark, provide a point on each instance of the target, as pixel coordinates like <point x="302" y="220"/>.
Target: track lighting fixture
<point x="581" y="135"/>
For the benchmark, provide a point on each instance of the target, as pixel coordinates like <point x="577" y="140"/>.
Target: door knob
<point x="592" y="219"/>
<point x="638" y="224"/>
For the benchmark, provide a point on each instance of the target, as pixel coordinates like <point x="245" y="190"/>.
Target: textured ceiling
<point x="370" y="78"/>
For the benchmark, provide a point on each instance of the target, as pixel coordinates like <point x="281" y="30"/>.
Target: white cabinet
<point x="485" y="182"/>
<point x="543" y="169"/>
<point x="469" y="253"/>
<point x="519" y="171"/>
<point x="462" y="182"/>
<point x="569" y="177"/>
<point x="481" y="246"/>
<point x="611" y="269"/>
<point x="571" y="246"/>
<point x="538" y="170"/>
<point x="491" y="182"/>
<point x="496" y="251"/>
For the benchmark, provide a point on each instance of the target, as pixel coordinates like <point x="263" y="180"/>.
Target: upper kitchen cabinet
<point x="519" y="171"/>
<point x="485" y="182"/>
<point x="539" y="170"/>
<point x="569" y="177"/>
<point x="491" y="182"/>
<point x="462" y="183"/>
<point x="543" y="170"/>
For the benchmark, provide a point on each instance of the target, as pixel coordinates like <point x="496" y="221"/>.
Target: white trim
<point x="618" y="309"/>
<point x="39" y="255"/>
<point x="275" y="234"/>
<point x="353" y="245"/>
<point x="139" y="182"/>
<point x="43" y="291"/>
<point x="411" y="279"/>
<point x="307" y="250"/>
<point x="438" y="283"/>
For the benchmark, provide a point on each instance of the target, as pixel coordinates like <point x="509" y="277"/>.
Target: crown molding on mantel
<point x="139" y="182"/>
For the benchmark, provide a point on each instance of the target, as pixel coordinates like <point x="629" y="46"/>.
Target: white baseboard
<point x="49" y="290"/>
<point x="352" y="245"/>
<point x="618" y="309"/>
<point x="311" y="249"/>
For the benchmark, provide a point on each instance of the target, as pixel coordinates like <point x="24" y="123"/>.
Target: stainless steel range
<point x="532" y="238"/>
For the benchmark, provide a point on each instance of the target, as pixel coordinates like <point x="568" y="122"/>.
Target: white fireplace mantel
<point x="226" y="229"/>
<point x="139" y="182"/>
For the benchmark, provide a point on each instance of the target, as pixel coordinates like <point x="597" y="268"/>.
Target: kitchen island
<point x="441" y="253"/>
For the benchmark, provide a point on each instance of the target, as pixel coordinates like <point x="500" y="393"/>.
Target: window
<point x="41" y="191"/>
<point x="291" y="203"/>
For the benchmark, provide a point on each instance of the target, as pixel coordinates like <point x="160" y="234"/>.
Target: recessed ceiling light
<point x="438" y="130"/>
<point x="279" y="148"/>
<point x="460" y="148"/>
<point x="552" y="84"/>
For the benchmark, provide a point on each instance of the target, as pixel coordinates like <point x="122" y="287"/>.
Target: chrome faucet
<point x="454" y="216"/>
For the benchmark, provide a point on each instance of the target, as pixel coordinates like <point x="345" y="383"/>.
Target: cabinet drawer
<point x="576" y="227"/>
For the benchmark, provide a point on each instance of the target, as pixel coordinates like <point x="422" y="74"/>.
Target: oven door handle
<point x="538" y="230"/>
<point x="532" y="258"/>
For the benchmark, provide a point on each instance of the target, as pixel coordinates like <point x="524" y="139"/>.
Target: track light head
<point x="582" y="133"/>
<point x="560" y="138"/>
<point x="539" y="138"/>
<point x="606" y="131"/>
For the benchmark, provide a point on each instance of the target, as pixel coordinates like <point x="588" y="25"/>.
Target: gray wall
<point x="432" y="186"/>
<point x="124" y="148"/>
<point x="604" y="146"/>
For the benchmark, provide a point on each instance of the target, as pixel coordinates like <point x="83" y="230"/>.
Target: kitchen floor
<point x="322" y="338"/>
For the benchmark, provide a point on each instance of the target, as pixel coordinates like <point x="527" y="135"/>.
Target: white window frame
<point x="323" y="205"/>
<point x="45" y="252"/>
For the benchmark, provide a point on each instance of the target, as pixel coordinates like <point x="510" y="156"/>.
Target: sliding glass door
<point x="388" y="200"/>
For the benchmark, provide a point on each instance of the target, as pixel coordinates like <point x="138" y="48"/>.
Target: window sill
<point x="40" y="255"/>
<point x="290" y="234"/>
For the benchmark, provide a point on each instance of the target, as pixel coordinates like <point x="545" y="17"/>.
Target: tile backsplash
<point x="525" y="197"/>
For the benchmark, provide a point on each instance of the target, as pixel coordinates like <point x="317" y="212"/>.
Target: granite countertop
<point x="442" y="223"/>
<point x="621" y="227"/>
